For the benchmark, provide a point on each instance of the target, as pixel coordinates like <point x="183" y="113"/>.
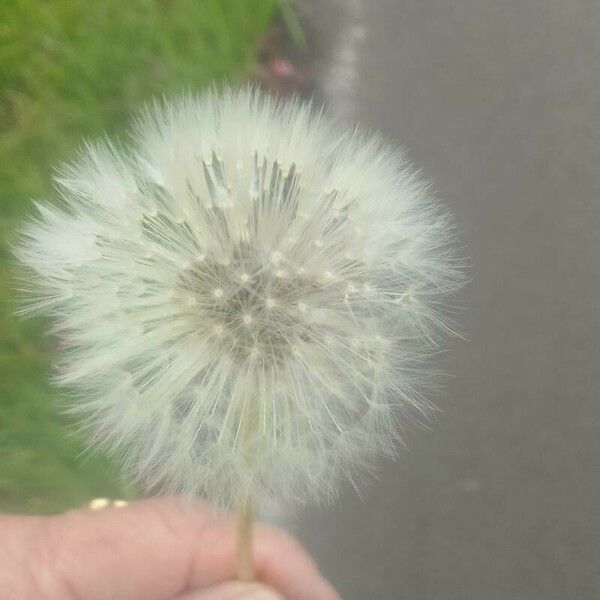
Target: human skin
<point x="160" y="549"/>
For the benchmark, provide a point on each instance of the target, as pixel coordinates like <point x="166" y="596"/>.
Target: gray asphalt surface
<point x="499" y="102"/>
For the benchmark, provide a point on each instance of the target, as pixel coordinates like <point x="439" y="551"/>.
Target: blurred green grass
<point x="73" y="69"/>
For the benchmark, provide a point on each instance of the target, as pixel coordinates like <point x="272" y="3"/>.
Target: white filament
<point x="249" y="298"/>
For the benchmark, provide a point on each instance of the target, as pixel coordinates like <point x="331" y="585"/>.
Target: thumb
<point x="234" y="591"/>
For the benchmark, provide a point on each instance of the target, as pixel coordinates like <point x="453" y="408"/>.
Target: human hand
<point x="165" y="549"/>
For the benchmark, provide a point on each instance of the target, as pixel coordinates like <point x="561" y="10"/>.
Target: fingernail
<point x="99" y="503"/>
<point x="235" y="591"/>
<point x="256" y="592"/>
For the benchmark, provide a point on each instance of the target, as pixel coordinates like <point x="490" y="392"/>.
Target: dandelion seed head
<point x="249" y="296"/>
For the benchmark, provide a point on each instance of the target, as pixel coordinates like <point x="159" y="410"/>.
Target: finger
<point x="158" y="549"/>
<point x="234" y="591"/>
<point x="279" y="561"/>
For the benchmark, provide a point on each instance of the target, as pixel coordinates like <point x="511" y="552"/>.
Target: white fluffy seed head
<point x="248" y="296"/>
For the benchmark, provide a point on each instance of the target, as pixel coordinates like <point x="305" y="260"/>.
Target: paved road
<point x="499" y="102"/>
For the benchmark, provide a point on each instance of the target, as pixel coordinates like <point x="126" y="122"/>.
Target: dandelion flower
<point x="248" y="297"/>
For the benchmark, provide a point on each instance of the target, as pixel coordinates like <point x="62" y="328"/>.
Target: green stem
<point x="245" y="566"/>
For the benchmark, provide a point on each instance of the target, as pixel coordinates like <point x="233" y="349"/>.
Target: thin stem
<point x="245" y="567"/>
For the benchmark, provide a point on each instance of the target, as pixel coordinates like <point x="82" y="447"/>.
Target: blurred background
<point x="74" y="69"/>
<point x="499" y="102"/>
